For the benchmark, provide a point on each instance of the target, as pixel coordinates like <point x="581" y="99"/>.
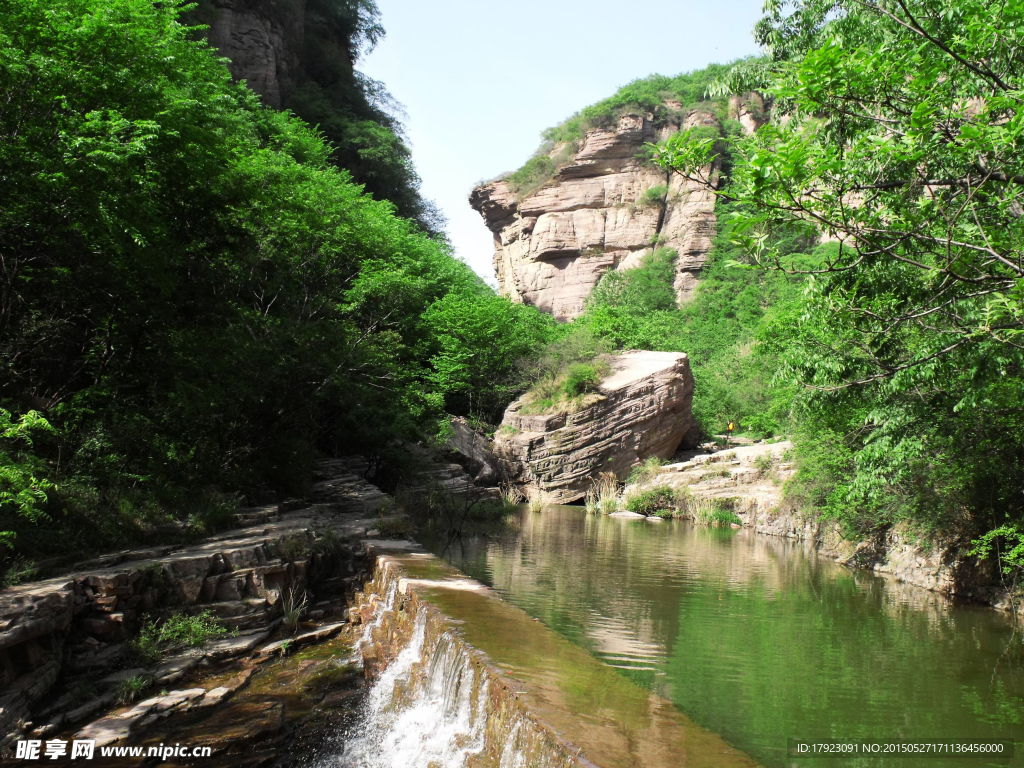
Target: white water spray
<point x="420" y="711"/>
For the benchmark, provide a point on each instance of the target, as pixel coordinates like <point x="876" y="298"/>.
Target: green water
<point x="756" y="638"/>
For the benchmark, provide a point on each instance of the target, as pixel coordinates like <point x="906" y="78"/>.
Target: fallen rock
<point x="472" y="451"/>
<point x="242" y="643"/>
<point x="642" y="409"/>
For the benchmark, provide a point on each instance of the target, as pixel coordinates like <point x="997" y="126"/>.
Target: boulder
<point x="641" y="409"/>
<point x="473" y="453"/>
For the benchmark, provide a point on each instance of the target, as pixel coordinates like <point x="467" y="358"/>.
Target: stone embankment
<point x="641" y="409"/>
<point x="749" y="479"/>
<point x="464" y="678"/>
<point x="64" y="655"/>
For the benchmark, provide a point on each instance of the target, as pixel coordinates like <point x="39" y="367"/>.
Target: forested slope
<point x="864" y="293"/>
<point x="196" y="300"/>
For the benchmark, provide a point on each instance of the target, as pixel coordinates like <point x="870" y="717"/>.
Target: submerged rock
<point x="642" y="409"/>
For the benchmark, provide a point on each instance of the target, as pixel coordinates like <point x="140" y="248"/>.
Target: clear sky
<point x="481" y="79"/>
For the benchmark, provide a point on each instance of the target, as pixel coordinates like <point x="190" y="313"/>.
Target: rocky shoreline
<point x="750" y="478"/>
<point x="67" y="663"/>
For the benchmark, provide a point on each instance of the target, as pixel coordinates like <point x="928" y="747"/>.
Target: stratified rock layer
<point x="552" y="246"/>
<point x="642" y="409"/>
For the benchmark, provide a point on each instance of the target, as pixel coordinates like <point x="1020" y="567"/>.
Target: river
<point x="755" y="638"/>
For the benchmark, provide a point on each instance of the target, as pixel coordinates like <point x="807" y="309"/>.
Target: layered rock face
<point x="552" y="246"/>
<point x="642" y="409"/>
<point x="74" y="627"/>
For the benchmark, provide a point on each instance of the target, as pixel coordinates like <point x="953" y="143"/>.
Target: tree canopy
<point x="193" y="295"/>
<point x="896" y="132"/>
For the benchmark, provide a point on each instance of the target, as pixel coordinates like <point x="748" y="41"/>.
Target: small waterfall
<point x="435" y="701"/>
<point x="427" y="709"/>
<point x="381" y="614"/>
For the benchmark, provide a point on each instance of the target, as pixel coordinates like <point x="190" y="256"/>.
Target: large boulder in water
<point x="642" y="408"/>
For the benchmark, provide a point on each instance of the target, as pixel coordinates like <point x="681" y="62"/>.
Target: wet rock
<point x="242" y="723"/>
<point x="243" y="643"/>
<point x="306" y="638"/>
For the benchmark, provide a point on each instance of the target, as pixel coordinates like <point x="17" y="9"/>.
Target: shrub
<point x="645" y="472"/>
<point x="765" y="462"/>
<point x="652" y="197"/>
<point x="130" y="689"/>
<point x="651" y="500"/>
<point x="180" y="630"/>
<point x="580" y="379"/>
<point x="177" y="631"/>
<point x="568" y="390"/>
<point x="711" y="512"/>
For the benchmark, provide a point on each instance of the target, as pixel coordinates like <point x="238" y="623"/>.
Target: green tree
<point x="193" y="294"/>
<point x="897" y="132"/>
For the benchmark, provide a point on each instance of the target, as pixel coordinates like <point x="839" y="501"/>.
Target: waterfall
<point x="381" y="613"/>
<point x="435" y="701"/>
<point x="428" y="708"/>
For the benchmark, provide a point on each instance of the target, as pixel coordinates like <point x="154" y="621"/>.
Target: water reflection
<point x="755" y="637"/>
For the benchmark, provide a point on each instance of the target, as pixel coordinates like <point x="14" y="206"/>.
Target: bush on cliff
<point x="193" y="296"/>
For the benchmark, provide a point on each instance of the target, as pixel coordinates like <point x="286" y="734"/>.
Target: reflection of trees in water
<point x="756" y="627"/>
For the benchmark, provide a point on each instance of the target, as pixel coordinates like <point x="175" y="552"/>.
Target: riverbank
<point x="122" y="642"/>
<point x="749" y="481"/>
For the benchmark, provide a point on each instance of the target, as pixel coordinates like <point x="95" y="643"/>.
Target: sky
<point x="479" y="79"/>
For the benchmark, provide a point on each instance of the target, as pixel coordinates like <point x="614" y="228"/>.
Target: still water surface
<point x="756" y="638"/>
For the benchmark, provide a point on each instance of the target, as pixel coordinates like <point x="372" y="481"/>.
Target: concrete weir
<point x="462" y="678"/>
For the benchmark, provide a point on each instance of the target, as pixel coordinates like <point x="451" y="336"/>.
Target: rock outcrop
<point x="552" y="246"/>
<point x="473" y="453"/>
<point x="262" y="41"/>
<point x="749" y="480"/>
<point x="642" y="409"/>
<point x="74" y="627"/>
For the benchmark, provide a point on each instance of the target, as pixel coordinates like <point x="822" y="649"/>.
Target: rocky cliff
<point x="300" y="55"/>
<point x="261" y="40"/>
<point x="597" y="213"/>
<point x="641" y="409"/>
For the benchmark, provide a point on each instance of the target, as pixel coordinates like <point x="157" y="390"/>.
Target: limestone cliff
<point x="642" y="409"/>
<point x="552" y="245"/>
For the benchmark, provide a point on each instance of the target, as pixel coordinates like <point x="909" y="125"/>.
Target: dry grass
<point x="606" y="492"/>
